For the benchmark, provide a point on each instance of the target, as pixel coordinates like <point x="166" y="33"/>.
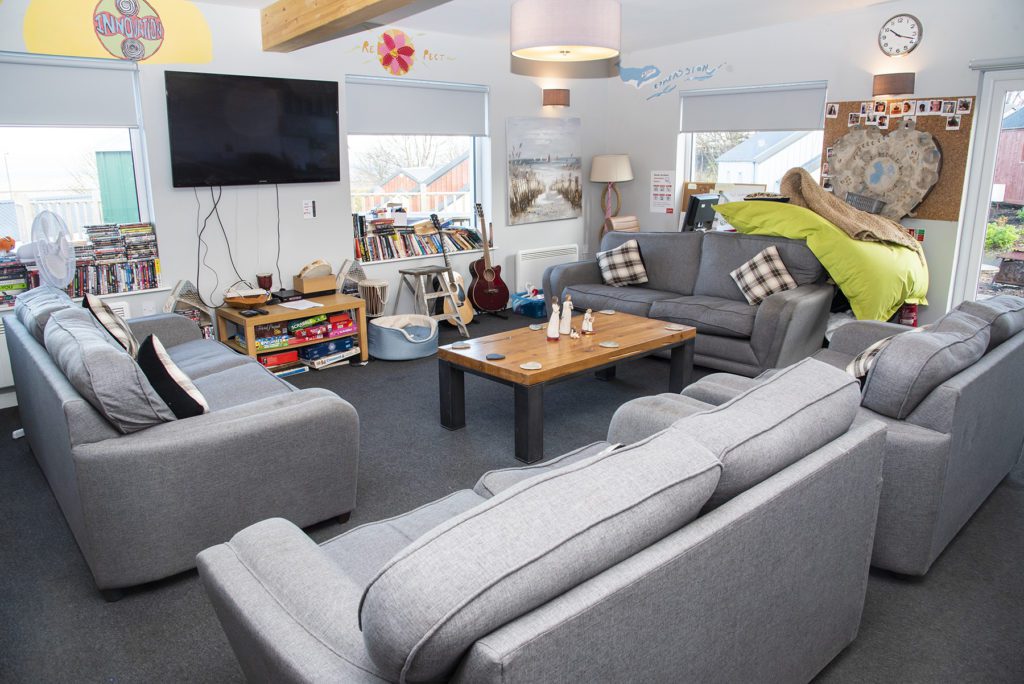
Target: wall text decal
<point x="650" y="74"/>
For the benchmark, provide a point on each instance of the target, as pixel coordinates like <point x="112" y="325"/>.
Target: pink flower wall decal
<point x="395" y="52"/>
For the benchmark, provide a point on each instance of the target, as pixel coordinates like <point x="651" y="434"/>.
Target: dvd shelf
<point x="378" y="240"/>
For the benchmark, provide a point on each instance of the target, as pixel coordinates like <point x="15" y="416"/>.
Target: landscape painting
<point x="544" y="170"/>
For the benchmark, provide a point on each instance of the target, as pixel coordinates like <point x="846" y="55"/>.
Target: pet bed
<point x="402" y="337"/>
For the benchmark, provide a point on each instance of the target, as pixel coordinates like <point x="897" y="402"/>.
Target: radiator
<point x="531" y="263"/>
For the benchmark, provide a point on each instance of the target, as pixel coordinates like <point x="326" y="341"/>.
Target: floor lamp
<point x="611" y="169"/>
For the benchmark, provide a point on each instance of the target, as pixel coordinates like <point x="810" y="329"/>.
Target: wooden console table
<point x="330" y="304"/>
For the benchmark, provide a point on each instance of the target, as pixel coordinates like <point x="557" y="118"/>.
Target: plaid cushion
<point x="763" y="275"/>
<point x="114" y="324"/>
<point x="623" y="265"/>
<point x="862" y="363"/>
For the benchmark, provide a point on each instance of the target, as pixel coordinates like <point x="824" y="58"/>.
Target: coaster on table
<point x="675" y="326"/>
<point x="531" y="365"/>
<point x="536" y="326"/>
<point x="460" y="345"/>
<point x="494" y="357"/>
<point x="607" y="312"/>
<point x="609" y="344"/>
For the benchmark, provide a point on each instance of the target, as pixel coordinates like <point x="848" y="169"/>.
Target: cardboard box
<point x="314" y="284"/>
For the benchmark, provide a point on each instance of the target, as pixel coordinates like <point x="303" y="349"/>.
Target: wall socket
<point x="308" y="209"/>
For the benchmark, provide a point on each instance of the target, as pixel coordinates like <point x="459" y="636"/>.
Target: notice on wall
<point x="663" y="193"/>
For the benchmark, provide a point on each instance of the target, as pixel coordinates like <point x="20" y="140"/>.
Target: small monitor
<point x="700" y="213"/>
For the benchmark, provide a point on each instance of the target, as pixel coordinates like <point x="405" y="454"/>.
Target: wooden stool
<point x="418" y="281"/>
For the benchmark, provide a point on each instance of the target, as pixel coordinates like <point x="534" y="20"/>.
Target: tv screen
<point x="244" y="130"/>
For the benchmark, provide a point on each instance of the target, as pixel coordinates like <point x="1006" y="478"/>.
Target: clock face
<point x="900" y="35"/>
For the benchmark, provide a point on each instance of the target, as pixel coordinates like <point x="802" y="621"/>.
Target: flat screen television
<point x="246" y="130"/>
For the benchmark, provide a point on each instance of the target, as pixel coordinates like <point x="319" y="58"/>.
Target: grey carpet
<point x="961" y="623"/>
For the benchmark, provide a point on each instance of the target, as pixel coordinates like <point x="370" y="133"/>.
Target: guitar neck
<point x="483" y="235"/>
<point x="440" y="236"/>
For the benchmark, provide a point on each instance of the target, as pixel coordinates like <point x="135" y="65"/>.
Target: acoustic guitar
<point x="487" y="291"/>
<point x="454" y="278"/>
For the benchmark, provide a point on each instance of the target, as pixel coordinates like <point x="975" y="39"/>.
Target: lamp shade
<point x="893" y="85"/>
<point x="565" y="30"/>
<point x="557" y="97"/>
<point x="611" y="168"/>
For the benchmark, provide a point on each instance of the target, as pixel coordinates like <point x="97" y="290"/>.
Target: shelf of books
<point x="379" y="239"/>
<point x="115" y="258"/>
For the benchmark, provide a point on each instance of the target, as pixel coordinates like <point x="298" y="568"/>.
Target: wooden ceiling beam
<point x="292" y="24"/>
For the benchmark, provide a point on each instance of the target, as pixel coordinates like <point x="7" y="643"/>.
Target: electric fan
<point x="51" y="250"/>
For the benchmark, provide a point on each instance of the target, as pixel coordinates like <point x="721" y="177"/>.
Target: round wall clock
<point x="900" y="35"/>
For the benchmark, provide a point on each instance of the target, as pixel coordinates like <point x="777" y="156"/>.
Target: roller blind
<point x="789" y="107"/>
<point x="384" y="106"/>
<point x="63" y="91"/>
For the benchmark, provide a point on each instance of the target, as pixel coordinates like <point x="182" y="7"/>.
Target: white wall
<point x="840" y="49"/>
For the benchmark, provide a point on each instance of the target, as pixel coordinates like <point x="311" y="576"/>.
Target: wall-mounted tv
<point x="245" y="130"/>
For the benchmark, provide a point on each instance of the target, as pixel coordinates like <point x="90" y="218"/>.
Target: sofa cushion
<point x="911" y="366"/>
<point x="644" y="416"/>
<point x="112" y="323"/>
<point x="197" y="358"/>
<point x="860" y="365"/>
<point x="709" y="315"/>
<point x="671" y="259"/>
<point x="622" y="265"/>
<point x="774" y="424"/>
<point x="169" y="381"/>
<point x="495" y="481"/>
<point x="102" y="372"/>
<point x="240" y="385"/>
<point x="34" y="308"/>
<point x="1005" y="313"/>
<point x="763" y="276"/>
<point x="523" y="547"/>
<point x="723" y="253"/>
<point x="718" y="388"/>
<point x="630" y="299"/>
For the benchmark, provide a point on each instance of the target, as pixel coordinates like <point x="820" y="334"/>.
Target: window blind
<point x="64" y="91"/>
<point x="789" y="107"/>
<point x="384" y="106"/>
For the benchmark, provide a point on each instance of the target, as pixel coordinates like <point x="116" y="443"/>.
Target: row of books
<point x="402" y="244"/>
<point x="103" y="278"/>
<point x="107" y="243"/>
<point x="13" y="279"/>
<point x="139" y="241"/>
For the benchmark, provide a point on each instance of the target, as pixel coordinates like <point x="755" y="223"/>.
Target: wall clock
<point x="900" y="35"/>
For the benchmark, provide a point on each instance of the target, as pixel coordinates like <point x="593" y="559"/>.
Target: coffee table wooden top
<point x="636" y="337"/>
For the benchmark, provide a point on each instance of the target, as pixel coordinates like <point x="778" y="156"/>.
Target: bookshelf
<point x="378" y="240"/>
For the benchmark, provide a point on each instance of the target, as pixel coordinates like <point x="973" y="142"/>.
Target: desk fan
<point x="51" y="250"/>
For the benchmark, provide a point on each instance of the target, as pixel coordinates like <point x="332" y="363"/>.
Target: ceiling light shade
<point x="565" y="30"/>
<point x="611" y="168"/>
<point x="893" y="85"/>
<point x="556" y="97"/>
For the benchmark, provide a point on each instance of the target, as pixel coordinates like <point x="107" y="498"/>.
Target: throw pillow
<point x="623" y="265"/>
<point x="169" y="381"/>
<point x="112" y="323"/>
<point x="762" y="276"/>
<point x="862" y="363"/>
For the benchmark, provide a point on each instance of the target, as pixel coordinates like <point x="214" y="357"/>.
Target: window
<point x="754" y="157"/>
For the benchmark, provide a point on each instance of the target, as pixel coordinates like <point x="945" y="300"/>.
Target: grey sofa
<point x="952" y="411"/>
<point x="689" y="283"/>
<point x="141" y="505"/>
<point x="732" y="546"/>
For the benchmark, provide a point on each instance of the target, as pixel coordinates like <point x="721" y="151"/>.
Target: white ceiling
<point x="645" y="23"/>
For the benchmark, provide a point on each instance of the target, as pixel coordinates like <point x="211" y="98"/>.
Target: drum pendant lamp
<point x="565" y="30"/>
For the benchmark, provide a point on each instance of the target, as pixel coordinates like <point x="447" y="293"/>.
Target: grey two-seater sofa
<point x="142" y="504"/>
<point x="731" y="547"/>
<point x="689" y="283"/>
<point x="950" y="398"/>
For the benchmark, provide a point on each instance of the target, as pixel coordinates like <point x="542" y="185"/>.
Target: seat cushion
<point x="911" y="366"/>
<point x="709" y="315"/>
<point x="629" y="299"/>
<point x="833" y="358"/>
<point x="521" y="548"/>
<point x="723" y="253"/>
<point x="640" y="418"/>
<point x="240" y="385"/>
<point x="197" y="358"/>
<point x="775" y="424"/>
<point x="362" y="551"/>
<point x="1004" y="313"/>
<point x="496" y="481"/>
<point x="718" y="388"/>
<point x="103" y="372"/>
<point x="34" y="308"/>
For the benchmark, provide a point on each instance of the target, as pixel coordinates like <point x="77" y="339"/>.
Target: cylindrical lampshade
<point x="611" y="168"/>
<point x="557" y="97"/>
<point x="893" y="85"/>
<point x="565" y="30"/>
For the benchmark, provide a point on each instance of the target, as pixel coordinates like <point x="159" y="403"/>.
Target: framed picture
<point x="545" y="181"/>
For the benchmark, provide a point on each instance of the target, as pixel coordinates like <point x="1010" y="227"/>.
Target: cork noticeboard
<point x="942" y="203"/>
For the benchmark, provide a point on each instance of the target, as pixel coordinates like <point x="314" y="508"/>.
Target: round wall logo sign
<point x="395" y="51"/>
<point x="128" y="29"/>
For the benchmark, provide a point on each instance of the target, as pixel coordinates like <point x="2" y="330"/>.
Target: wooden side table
<point x="228" y="317"/>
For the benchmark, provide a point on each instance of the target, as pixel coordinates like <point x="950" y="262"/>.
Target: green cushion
<point x="876" y="277"/>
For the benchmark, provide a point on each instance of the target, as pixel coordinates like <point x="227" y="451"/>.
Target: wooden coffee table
<point x="560" y="360"/>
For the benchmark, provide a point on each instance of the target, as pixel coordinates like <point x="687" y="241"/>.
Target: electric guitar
<point x="487" y="291"/>
<point x="465" y="308"/>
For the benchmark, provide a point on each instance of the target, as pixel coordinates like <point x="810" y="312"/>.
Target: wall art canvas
<point x="545" y="182"/>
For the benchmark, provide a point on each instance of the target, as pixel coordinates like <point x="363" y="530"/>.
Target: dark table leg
<point x="529" y="422"/>
<point x="605" y="373"/>
<point x="681" y="367"/>
<point x="452" y="385"/>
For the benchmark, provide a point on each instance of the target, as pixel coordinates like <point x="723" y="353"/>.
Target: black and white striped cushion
<point x="112" y="323"/>
<point x="623" y="265"/>
<point x="762" y="276"/>
<point x="861" y="364"/>
<point x="169" y="381"/>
